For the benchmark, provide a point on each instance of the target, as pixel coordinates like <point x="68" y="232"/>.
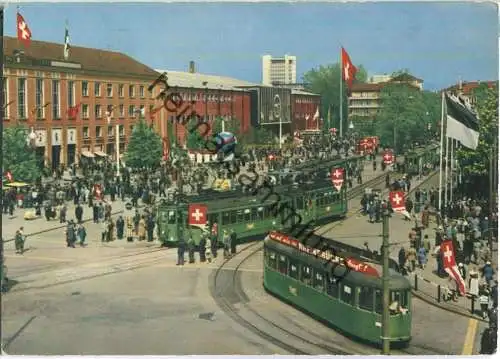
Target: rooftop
<point x="48" y="54"/>
<point x="198" y="80"/>
<point x="467" y="87"/>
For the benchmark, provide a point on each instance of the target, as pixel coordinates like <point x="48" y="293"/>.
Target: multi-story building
<point x="364" y="100"/>
<point x="207" y="96"/>
<point x="466" y="88"/>
<point x="86" y="106"/>
<point x="41" y="91"/>
<point x="279" y="70"/>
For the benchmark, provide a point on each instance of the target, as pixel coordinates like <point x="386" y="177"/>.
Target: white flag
<point x="66" y="44"/>
<point x="316" y="115"/>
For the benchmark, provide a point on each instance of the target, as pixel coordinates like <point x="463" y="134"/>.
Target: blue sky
<point x="438" y="42"/>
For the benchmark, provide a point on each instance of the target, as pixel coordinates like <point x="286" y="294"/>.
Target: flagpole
<point x="446" y="166"/>
<point x="452" y="168"/>
<point x="340" y="94"/>
<point x="441" y="154"/>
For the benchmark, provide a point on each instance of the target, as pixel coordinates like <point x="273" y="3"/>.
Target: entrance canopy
<point x="87" y="154"/>
<point x="100" y="154"/>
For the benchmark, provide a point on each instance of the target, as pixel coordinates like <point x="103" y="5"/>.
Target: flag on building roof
<point x="23" y="31"/>
<point x="461" y="122"/>
<point x="67" y="47"/>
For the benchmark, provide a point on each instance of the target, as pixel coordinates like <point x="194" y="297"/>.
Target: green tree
<point x="18" y="157"/>
<point x="325" y="81"/>
<point x="258" y="136"/>
<point x="475" y="164"/>
<point x="230" y="125"/>
<point x="404" y="115"/>
<point x="195" y="140"/>
<point x="144" y="150"/>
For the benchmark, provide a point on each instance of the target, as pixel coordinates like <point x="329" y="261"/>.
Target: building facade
<point x="364" y="100"/>
<point x="279" y="70"/>
<point x="86" y="106"/>
<point x="73" y="106"/>
<point x="304" y="108"/>
<point x="207" y="96"/>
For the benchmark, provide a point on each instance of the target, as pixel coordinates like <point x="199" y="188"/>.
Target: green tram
<point x="416" y="158"/>
<point x="336" y="289"/>
<point x="250" y="216"/>
<point x="316" y="202"/>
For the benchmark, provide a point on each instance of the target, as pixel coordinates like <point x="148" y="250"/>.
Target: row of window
<point x="265" y="212"/>
<point x="109" y="88"/>
<point x="99" y="131"/>
<point x="365" y="298"/>
<point x="306" y="100"/>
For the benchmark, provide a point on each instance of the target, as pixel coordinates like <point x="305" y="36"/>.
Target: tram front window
<point x="398" y="302"/>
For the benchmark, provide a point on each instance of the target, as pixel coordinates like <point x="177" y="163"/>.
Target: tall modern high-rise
<point x="279" y="70"/>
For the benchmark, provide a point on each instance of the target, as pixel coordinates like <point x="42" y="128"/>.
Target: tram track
<point x="87" y="270"/>
<point x="225" y="295"/>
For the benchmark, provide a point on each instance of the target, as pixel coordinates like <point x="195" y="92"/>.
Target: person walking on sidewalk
<point x="81" y="232"/>
<point x="19" y="240"/>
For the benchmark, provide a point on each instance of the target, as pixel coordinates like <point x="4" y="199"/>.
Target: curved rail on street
<point x="220" y="296"/>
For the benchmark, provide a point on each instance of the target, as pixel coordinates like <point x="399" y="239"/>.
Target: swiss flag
<point x="337" y="177"/>
<point x="388" y="157"/>
<point x="197" y="214"/>
<point x="450" y="264"/>
<point x="98" y="191"/>
<point x="23" y="31"/>
<point x="348" y="69"/>
<point x="9" y="176"/>
<point x="73" y="111"/>
<point x="397" y="199"/>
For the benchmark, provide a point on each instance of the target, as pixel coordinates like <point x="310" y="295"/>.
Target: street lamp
<point x="351" y="125"/>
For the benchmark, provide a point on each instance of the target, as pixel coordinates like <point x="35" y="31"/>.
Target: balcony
<point x="367" y="106"/>
<point x="367" y="96"/>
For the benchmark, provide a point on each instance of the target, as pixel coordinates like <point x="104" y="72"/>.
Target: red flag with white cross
<point x="197" y="214"/>
<point x="348" y="69"/>
<point x="337" y="177"/>
<point x="450" y="264"/>
<point x="397" y="199"/>
<point x="388" y="157"/>
<point x="23" y="31"/>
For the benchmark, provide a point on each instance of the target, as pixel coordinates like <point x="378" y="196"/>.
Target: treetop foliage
<point x="145" y="147"/>
<point x="18" y="157"/>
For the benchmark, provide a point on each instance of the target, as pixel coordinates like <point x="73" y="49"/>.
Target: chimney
<point x="191" y="67"/>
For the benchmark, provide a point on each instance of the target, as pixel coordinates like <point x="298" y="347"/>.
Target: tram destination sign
<point x="327" y="255"/>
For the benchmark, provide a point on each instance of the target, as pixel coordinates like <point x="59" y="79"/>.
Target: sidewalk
<point x="40" y="225"/>
<point x="357" y="230"/>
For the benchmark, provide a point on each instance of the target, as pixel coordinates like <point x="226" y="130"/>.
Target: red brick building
<point x="304" y="107"/>
<point x="40" y="86"/>
<point x="208" y="96"/>
<point x="42" y="89"/>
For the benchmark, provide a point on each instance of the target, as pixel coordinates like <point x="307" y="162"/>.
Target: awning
<point x="87" y="154"/>
<point x="100" y="154"/>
